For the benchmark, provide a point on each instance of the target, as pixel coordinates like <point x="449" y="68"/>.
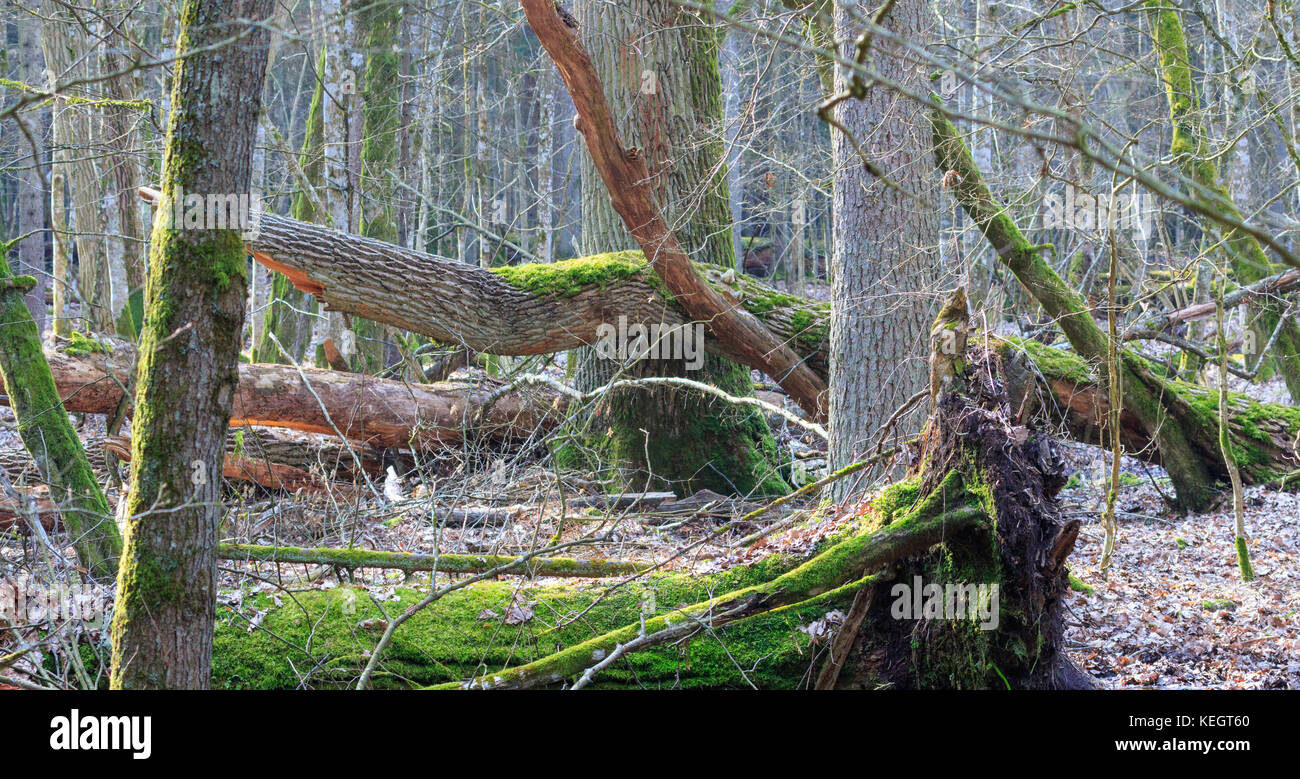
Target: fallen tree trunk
<point x="443" y="563"/>
<point x="515" y="310"/>
<point x="252" y="454"/>
<point x="378" y="412"/>
<point x="1056" y="385"/>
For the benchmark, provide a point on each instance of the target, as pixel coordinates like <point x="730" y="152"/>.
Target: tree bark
<point x="31" y="186"/>
<point x="884" y="261"/>
<point x="189" y="352"/>
<point x="513" y="310"/>
<point x="981" y="512"/>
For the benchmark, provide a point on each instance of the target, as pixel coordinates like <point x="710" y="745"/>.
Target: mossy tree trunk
<point x="189" y="350"/>
<point x="1191" y="147"/>
<point x="658" y="64"/>
<point x="48" y="435"/>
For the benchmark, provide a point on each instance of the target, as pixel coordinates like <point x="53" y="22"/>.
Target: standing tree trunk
<point x="63" y="40"/>
<point x="1190" y="145"/>
<point x="287" y="326"/>
<point x="658" y="64"/>
<point x="126" y="245"/>
<point x="189" y="351"/>
<point x="885" y="263"/>
<point x="31" y="189"/>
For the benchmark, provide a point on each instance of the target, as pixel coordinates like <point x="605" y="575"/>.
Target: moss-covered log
<point x="1059" y="386"/>
<point x="445" y="563"/>
<point x="46" y="432"/>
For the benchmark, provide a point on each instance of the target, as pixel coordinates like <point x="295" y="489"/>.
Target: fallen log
<point x="1057" y="386"/>
<point x="442" y="563"/>
<point x="33" y="501"/>
<point x="267" y="450"/>
<point x="621" y="501"/>
<point x="377" y="412"/>
<point x="515" y="310"/>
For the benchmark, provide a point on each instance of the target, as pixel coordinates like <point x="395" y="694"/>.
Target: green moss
<point x="1243" y="560"/>
<point x="1079" y="585"/>
<point x="457" y="637"/>
<point x="1219" y="604"/>
<point x="80" y="345"/>
<point x="48" y="435"/>
<point x="704" y="443"/>
<point x="569" y="277"/>
<point x="1052" y="361"/>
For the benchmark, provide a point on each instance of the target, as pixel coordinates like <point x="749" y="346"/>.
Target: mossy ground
<point x="328" y="632"/>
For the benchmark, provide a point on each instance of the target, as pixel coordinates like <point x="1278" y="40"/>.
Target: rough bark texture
<point x="195" y="297"/>
<point x="884" y="261"/>
<point x="1058" y="387"/>
<point x="658" y="66"/>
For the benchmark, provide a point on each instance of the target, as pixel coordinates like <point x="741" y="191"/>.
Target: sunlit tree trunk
<point x="189" y="355"/>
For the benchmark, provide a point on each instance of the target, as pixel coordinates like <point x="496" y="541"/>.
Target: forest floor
<point x="1174" y="611"/>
